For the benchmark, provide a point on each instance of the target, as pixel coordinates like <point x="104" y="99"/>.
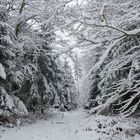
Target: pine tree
<point x="9" y="104"/>
<point x="69" y="89"/>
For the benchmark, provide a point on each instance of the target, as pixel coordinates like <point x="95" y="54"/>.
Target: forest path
<point x="74" y="125"/>
<point x="65" y="126"/>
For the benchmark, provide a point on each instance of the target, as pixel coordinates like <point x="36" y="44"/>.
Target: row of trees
<point x="110" y="31"/>
<point x="30" y="78"/>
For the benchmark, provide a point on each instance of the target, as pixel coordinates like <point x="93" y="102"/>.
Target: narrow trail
<point x="66" y="126"/>
<point x="75" y="125"/>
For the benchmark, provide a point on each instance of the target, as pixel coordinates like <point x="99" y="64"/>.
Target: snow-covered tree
<point x="112" y="26"/>
<point x="117" y="91"/>
<point x="9" y="104"/>
<point x="29" y="75"/>
<point x="69" y="92"/>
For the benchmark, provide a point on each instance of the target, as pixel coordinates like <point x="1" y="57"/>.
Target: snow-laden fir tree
<point x="69" y="92"/>
<point x="29" y="76"/>
<point x="9" y="104"/>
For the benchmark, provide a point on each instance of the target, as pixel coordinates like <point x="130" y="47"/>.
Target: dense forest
<point x="30" y="77"/>
<point x="69" y="54"/>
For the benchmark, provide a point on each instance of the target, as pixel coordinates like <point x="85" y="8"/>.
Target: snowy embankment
<point x="75" y="125"/>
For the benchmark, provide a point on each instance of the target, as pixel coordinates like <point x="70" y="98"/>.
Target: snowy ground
<point x="75" y="125"/>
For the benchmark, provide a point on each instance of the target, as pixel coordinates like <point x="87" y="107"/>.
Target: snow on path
<point x="65" y="126"/>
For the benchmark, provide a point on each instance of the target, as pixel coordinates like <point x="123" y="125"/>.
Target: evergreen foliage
<point x="30" y="78"/>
